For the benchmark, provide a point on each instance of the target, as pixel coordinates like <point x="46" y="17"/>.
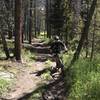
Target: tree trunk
<point x="93" y="38"/>
<point x="84" y="32"/>
<point x="30" y="23"/>
<point x="9" y="34"/>
<point x="93" y="41"/>
<point x="5" y="45"/>
<point x="35" y="32"/>
<point x="87" y="40"/>
<point x="26" y="21"/>
<point x="7" y="4"/>
<point x="87" y="46"/>
<point x="76" y="5"/>
<point x="8" y="7"/>
<point x="48" y="8"/>
<point x="18" y="29"/>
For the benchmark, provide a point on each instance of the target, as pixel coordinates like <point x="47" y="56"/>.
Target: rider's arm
<point x="63" y="44"/>
<point x="50" y="47"/>
<point x="65" y="48"/>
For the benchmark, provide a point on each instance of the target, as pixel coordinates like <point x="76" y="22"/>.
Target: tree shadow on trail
<point x="39" y="58"/>
<point x="37" y="49"/>
<point x="52" y="90"/>
<point x="58" y="89"/>
<point x="45" y="90"/>
<point x="39" y="73"/>
<point x="35" y="95"/>
<point x="55" y="90"/>
<point x="3" y="58"/>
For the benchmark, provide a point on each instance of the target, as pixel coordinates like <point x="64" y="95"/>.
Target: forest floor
<point x="29" y="77"/>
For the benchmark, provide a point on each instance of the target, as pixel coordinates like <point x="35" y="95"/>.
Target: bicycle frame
<point x="59" y="61"/>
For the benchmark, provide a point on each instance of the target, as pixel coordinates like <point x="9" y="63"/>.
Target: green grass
<point x="2" y="54"/>
<point x="37" y="94"/>
<point x="66" y="58"/>
<point x="4" y="86"/>
<point x="86" y="80"/>
<point x="10" y="44"/>
<point x="28" y="56"/>
<point x="48" y="63"/>
<point x="46" y="76"/>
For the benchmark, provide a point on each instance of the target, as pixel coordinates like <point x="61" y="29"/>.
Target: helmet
<point x="56" y="37"/>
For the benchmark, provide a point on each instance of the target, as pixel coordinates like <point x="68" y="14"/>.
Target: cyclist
<point x="56" y="47"/>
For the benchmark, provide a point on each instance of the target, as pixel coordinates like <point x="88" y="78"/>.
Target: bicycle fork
<point x="59" y="63"/>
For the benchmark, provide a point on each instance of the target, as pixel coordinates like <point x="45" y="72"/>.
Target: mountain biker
<point x="56" y="47"/>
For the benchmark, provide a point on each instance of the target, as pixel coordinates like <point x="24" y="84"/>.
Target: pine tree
<point x="18" y="29"/>
<point x="56" y="17"/>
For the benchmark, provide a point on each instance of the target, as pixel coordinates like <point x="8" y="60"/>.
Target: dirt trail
<point x="55" y="90"/>
<point x="26" y="82"/>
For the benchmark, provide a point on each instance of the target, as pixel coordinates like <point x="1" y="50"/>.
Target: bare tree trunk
<point x="93" y="41"/>
<point x="10" y="34"/>
<point x="93" y="38"/>
<point x="84" y="32"/>
<point x="87" y="40"/>
<point x="23" y="21"/>
<point x="48" y="26"/>
<point x="30" y="23"/>
<point x="8" y="8"/>
<point x="26" y="20"/>
<point x="7" y="4"/>
<point x="35" y="18"/>
<point x="76" y="5"/>
<point x="87" y="45"/>
<point x="18" y="29"/>
<point x="5" y="45"/>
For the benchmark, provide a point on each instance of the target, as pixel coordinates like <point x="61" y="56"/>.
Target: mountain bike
<point x="59" y="68"/>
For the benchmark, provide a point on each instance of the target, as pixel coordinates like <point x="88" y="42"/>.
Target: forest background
<point x="76" y="22"/>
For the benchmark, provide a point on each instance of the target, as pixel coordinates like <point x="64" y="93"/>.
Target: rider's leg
<point x="59" y="64"/>
<point x="57" y="60"/>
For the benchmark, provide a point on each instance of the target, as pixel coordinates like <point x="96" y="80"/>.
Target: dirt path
<point x="55" y="90"/>
<point x="26" y="82"/>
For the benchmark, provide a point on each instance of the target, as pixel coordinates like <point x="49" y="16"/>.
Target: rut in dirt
<point x="55" y="90"/>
